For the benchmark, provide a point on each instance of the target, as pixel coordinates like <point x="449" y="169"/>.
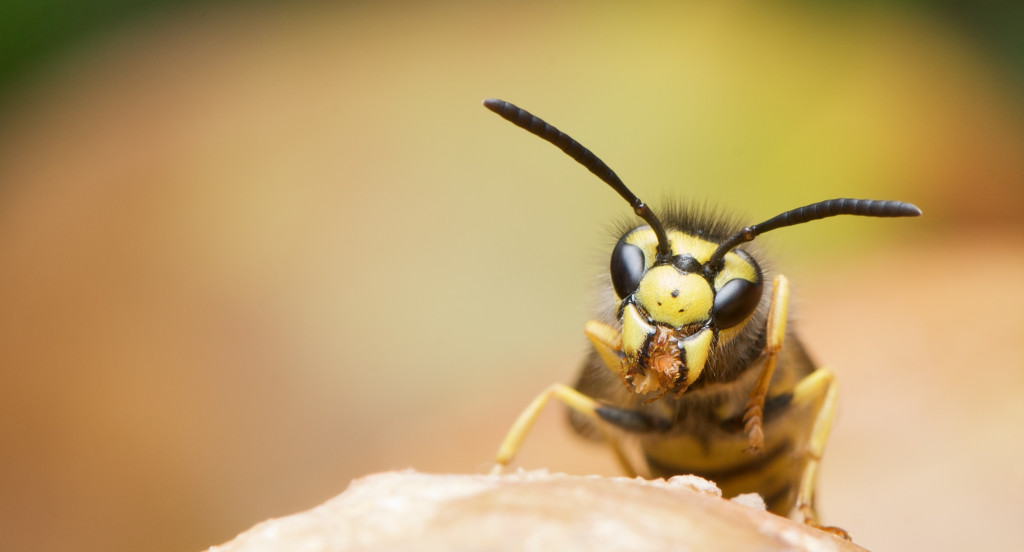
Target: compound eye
<point x="627" y="267"/>
<point x="737" y="300"/>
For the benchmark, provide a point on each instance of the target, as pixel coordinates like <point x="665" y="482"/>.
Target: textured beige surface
<point x="532" y="511"/>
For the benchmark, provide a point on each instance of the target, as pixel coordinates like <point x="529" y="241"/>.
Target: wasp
<point x="691" y="359"/>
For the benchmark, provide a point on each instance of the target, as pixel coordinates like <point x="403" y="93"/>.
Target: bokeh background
<point x="251" y="251"/>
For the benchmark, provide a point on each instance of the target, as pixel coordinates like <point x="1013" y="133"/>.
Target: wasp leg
<point x="753" y="415"/>
<point x="818" y="392"/>
<point x="608" y="344"/>
<point x="573" y="399"/>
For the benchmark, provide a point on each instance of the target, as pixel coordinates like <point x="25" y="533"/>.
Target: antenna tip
<point x="494" y="104"/>
<point x="909" y="210"/>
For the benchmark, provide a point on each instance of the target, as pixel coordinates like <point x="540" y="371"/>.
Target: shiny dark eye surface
<point x="627" y="267"/>
<point x="737" y="300"/>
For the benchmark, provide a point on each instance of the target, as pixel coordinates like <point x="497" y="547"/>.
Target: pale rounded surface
<point x="531" y="511"/>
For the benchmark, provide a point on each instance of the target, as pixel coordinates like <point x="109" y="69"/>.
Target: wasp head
<point x="675" y="308"/>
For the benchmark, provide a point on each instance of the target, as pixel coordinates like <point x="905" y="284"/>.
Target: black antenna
<point x="815" y="211"/>
<point x="537" y="126"/>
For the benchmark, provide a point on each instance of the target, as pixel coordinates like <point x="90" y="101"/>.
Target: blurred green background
<point x="251" y="251"/>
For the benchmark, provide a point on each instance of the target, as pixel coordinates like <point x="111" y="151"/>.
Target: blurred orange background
<point x="251" y="252"/>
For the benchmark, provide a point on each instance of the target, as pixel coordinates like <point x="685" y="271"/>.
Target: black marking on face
<point x="738" y="298"/>
<point x="627" y="267"/>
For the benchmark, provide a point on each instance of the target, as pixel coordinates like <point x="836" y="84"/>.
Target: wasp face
<point x="676" y="308"/>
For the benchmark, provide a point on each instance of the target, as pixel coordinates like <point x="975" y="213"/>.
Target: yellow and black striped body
<point x="707" y="436"/>
<point x="701" y="430"/>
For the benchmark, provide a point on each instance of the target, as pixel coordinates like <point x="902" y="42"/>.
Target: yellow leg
<point x="571" y="398"/>
<point x="608" y="344"/>
<point x="819" y="392"/>
<point x="776" y="334"/>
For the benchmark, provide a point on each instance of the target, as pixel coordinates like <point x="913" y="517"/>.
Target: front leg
<point x="608" y="343"/>
<point x="753" y="415"/>
<point x="576" y="401"/>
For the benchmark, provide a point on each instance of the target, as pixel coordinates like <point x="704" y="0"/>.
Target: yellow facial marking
<point x="645" y="239"/>
<point x="697" y="347"/>
<point x="634" y="331"/>
<point x="673" y="298"/>
<point x="735" y="267"/>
